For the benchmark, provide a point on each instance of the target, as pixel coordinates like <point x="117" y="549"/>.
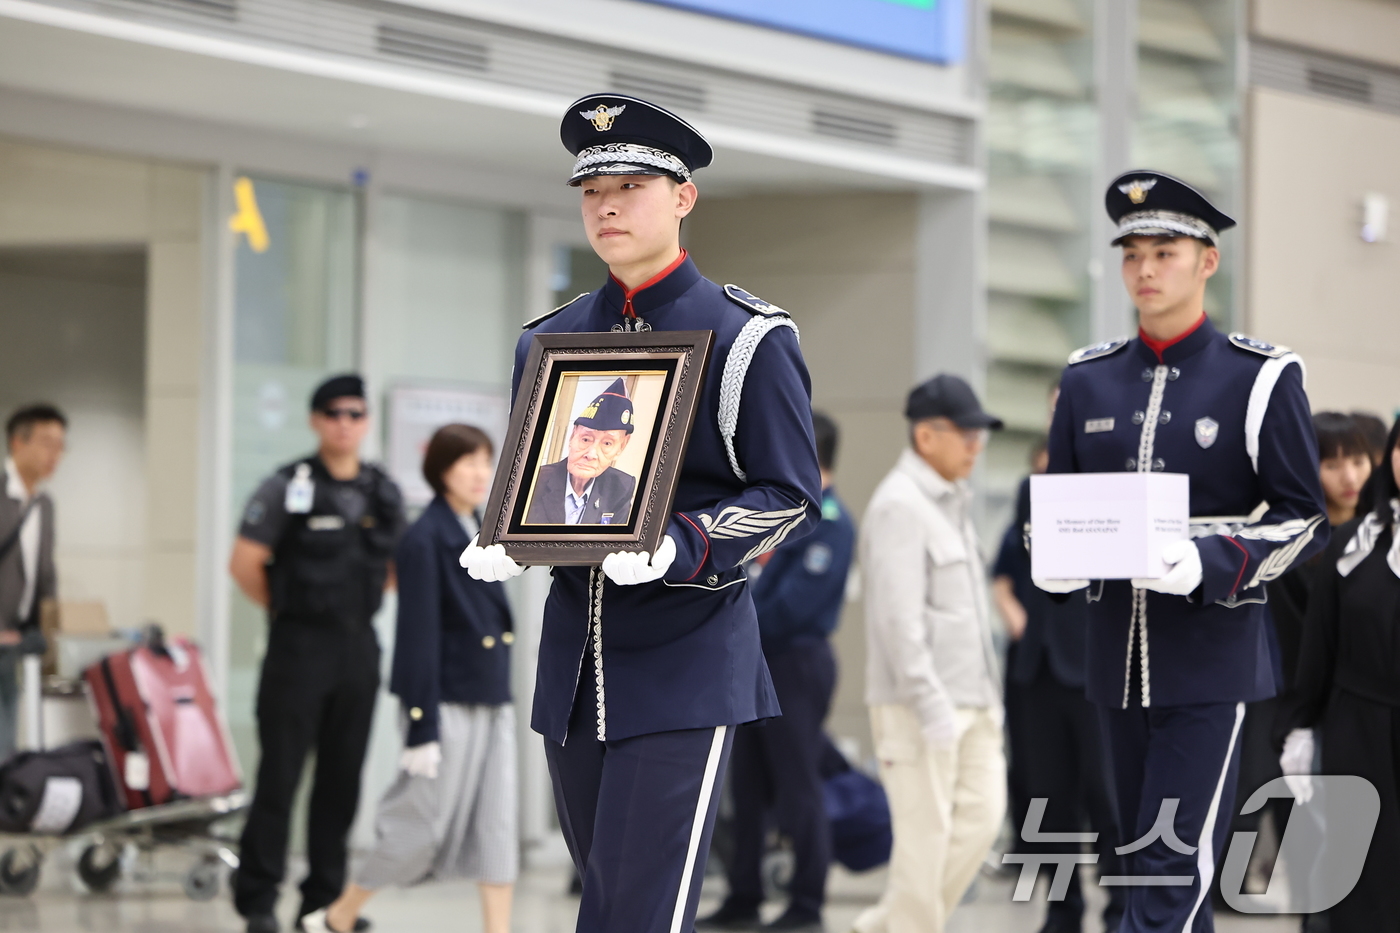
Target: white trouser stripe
<point x="1205" y="846"/>
<point x="697" y="828"/>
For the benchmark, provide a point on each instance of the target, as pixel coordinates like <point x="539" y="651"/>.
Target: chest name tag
<point x="1098" y="425"/>
<point x="325" y="523"/>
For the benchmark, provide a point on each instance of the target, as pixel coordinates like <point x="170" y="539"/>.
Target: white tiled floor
<point x="542" y="906"/>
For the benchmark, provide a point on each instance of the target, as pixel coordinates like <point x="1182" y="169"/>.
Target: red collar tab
<point x="627" y="309"/>
<point x="1157" y="346"/>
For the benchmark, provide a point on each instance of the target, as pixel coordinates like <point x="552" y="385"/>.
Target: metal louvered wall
<point x="1285" y="68"/>
<point x="409" y="37"/>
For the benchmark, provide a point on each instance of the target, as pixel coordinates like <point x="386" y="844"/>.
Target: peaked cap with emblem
<point x="615" y="134"/>
<point x="1145" y="203"/>
<point x="610" y="411"/>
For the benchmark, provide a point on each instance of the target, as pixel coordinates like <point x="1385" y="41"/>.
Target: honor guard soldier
<point x="314" y="548"/>
<point x="648" y="662"/>
<point x="1171" y="662"/>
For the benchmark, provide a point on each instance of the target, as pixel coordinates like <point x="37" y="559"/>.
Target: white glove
<point x="422" y="760"/>
<point x="1296" y="762"/>
<point x="628" y="567"/>
<point x="1060" y="586"/>
<point x="1183" y="561"/>
<point x="489" y="563"/>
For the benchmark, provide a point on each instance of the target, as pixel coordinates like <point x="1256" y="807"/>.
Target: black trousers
<point x="1060" y="741"/>
<point x="1362" y="737"/>
<point x="776" y="770"/>
<point x="316" y="693"/>
<point x="637" y="815"/>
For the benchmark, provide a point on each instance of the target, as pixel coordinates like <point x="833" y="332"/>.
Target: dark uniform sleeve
<point x="1060" y="445"/>
<point x="774" y="445"/>
<point x="265" y="516"/>
<point x="418" y="638"/>
<point x="1295" y="526"/>
<point x="803" y="579"/>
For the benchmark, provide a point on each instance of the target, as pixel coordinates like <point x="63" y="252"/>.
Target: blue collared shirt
<point x="575" y="504"/>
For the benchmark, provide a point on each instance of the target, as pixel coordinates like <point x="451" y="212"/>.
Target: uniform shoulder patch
<point x="752" y="302"/>
<point x="1098" y="350"/>
<point x="549" y="314"/>
<point x="1261" y="347"/>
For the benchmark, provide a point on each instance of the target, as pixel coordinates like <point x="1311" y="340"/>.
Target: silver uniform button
<point x="1174" y="375"/>
<point x="1165" y="418"/>
<point x="714" y="579"/>
<point x="1139" y="417"/>
<point x="1147" y="375"/>
<point x="1131" y="464"/>
<point x="1159" y="465"/>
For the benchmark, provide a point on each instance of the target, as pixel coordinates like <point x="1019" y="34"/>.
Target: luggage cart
<point x="129" y="841"/>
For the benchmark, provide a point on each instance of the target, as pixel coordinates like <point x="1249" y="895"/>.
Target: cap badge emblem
<point x="1207" y="430"/>
<point x="1137" y="189"/>
<point x="602" y="118"/>
<point x="626" y="417"/>
<point x="590" y="412"/>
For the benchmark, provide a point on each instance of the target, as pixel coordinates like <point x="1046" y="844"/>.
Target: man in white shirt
<point x="932" y="680"/>
<point x="35" y="435"/>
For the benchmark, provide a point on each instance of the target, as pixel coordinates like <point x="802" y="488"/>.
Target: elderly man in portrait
<point x="585" y="488"/>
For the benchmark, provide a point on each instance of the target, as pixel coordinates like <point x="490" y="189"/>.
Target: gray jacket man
<point x="36" y="437"/>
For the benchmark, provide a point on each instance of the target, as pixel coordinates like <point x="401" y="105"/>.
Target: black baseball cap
<point x="949" y="396"/>
<point x="346" y="385"/>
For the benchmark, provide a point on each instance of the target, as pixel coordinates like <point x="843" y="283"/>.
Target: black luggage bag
<point x="58" y="790"/>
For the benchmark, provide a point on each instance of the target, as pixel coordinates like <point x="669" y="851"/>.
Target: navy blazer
<point x="1231" y="413"/>
<point x="610" y="497"/>
<point x="1055" y="628"/>
<point x="454" y="633"/>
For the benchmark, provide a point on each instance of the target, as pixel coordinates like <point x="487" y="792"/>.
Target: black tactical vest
<point x="331" y="564"/>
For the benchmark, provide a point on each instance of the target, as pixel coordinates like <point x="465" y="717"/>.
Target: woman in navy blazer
<point x="451" y="811"/>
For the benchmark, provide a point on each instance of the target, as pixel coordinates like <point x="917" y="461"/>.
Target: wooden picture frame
<point x="548" y="454"/>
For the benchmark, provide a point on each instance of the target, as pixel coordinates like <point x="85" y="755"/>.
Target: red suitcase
<point x="164" y="736"/>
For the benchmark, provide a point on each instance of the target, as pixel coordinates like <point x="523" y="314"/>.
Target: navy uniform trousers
<point x="624" y="806"/>
<point x="1189" y="754"/>
<point x="777" y="768"/>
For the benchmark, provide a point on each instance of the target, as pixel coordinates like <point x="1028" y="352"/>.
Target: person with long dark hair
<point x="1349" y="685"/>
<point x="451" y="813"/>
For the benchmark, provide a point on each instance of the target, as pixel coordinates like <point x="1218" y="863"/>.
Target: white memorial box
<point x="1106" y="526"/>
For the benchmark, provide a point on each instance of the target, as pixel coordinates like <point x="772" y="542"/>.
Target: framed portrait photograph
<point x="595" y="444"/>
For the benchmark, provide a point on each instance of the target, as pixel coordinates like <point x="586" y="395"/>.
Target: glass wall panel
<point x="294" y="324"/>
<point x="1041" y="139"/>
<point x="1188" y="112"/>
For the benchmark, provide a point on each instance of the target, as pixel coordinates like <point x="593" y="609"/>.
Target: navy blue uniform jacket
<point x="611" y="496"/>
<point x="800" y="591"/>
<point x="683" y="652"/>
<point x="453" y="638"/>
<point x="1231" y="413"/>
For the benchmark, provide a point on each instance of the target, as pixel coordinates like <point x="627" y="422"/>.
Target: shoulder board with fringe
<point x="549" y="314"/>
<point x="1098" y="351"/>
<point x="1261" y="347"/>
<point x="752" y="303"/>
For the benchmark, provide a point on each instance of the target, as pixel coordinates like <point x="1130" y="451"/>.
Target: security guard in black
<point x="322" y="531"/>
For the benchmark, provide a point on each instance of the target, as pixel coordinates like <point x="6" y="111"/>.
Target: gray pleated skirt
<point x="461" y="824"/>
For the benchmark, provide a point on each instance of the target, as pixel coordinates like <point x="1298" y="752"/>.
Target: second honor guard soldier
<point x="314" y="549"/>
<point x="648" y="662"/>
<point x="1171" y="662"/>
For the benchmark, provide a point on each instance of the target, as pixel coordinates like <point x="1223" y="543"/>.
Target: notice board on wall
<point x="930" y="30"/>
<point x="416" y="411"/>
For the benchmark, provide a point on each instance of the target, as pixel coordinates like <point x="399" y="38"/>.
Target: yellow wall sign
<point x="247" y="219"/>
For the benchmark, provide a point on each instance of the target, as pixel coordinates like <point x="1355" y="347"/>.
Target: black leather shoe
<point x="794" y="921"/>
<point x="263" y="923"/>
<point x="730" y="917"/>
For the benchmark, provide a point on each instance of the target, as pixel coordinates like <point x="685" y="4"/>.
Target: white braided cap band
<point x="1164" y="223"/>
<point x="626" y="159"/>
